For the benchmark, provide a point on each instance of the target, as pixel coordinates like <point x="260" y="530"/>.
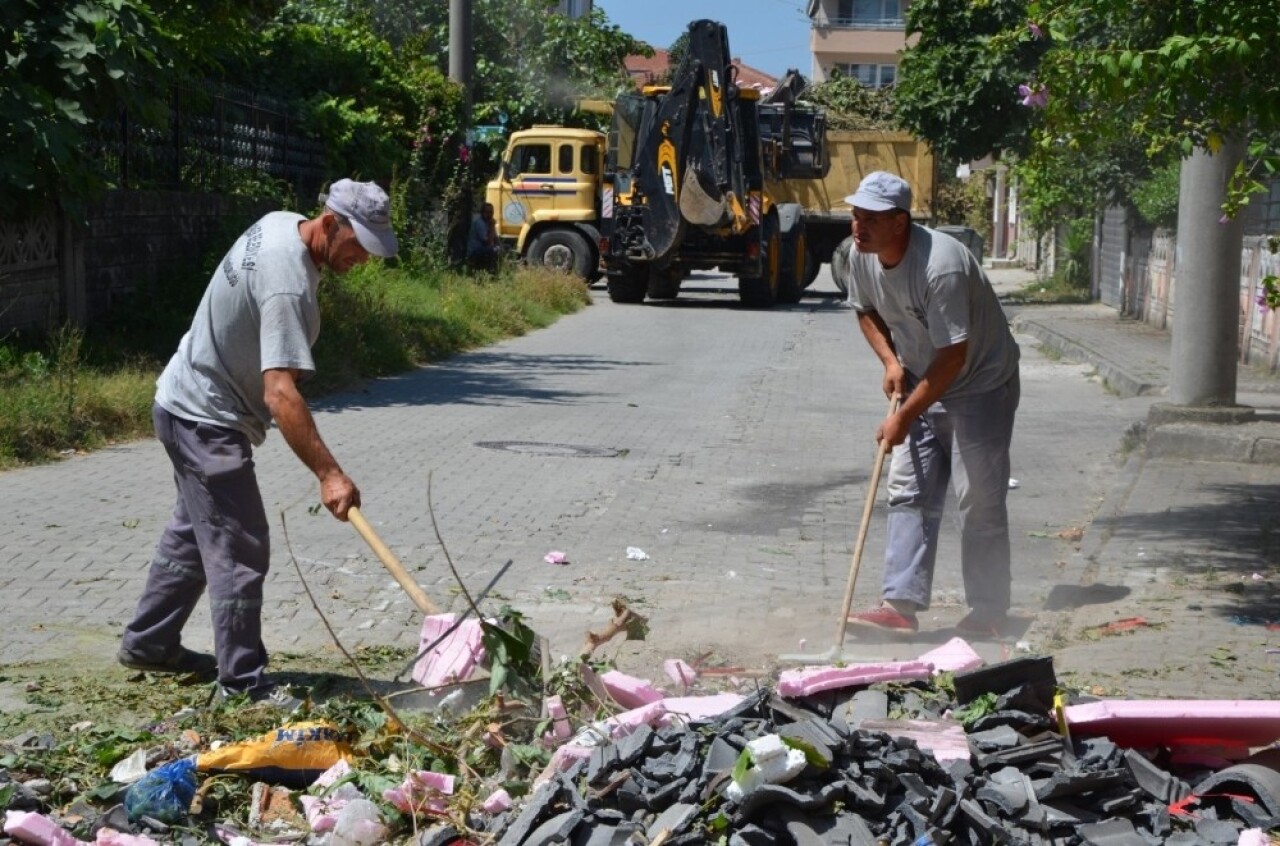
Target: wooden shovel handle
<point x="872" y="486"/>
<point x="393" y="565"/>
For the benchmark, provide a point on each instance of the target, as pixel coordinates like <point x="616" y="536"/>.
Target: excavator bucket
<point x="702" y="203"/>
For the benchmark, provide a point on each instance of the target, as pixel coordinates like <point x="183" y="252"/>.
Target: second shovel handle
<point x="389" y="560"/>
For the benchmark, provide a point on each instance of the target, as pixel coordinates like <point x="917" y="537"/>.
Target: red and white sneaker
<point x="886" y="619"/>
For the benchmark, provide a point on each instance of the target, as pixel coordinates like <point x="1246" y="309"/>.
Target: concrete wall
<point x="54" y="272"/>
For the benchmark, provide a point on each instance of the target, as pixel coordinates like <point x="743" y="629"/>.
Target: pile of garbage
<point x="938" y="750"/>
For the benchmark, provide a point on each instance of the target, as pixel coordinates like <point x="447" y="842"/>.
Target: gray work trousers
<point x="217" y="537"/>
<point x="964" y="441"/>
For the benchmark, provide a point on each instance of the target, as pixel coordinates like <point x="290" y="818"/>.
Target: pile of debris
<point x="939" y="750"/>
<point x="832" y="768"/>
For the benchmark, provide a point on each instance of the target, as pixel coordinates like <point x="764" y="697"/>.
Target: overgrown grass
<point x="1056" y="289"/>
<point x="75" y="392"/>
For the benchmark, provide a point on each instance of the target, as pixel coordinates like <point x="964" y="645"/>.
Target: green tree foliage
<point x="67" y="65"/>
<point x="958" y="86"/>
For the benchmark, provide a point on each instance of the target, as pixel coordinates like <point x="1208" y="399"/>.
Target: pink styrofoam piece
<point x="566" y="756"/>
<point x="498" y="801"/>
<point x="1253" y="837"/>
<point x="422" y="791"/>
<point x="560" y="730"/>
<point x="954" y="656"/>
<point x="679" y="672"/>
<point x="35" y="828"/>
<point x="621" y="725"/>
<point x="805" y="681"/>
<point x="1178" y="722"/>
<point x="629" y="691"/>
<point x="330" y="777"/>
<point x="700" y="707"/>
<point x="946" y="739"/>
<point x="111" y="837"/>
<point x="455" y="657"/>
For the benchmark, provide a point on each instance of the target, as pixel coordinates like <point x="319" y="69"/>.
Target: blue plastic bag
<point x="163" y="794"/>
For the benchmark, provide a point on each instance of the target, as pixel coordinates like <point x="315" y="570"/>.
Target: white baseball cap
<point x="368" y="208"/>
<point x="881" y="191"/>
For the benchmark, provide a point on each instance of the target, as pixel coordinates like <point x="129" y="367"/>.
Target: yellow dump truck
<point x="852" y="155"/>
<point x="546" y="198"/>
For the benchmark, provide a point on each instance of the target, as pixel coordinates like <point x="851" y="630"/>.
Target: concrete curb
<point x="1120" y="380"/>
<point x="1247" y="443"/>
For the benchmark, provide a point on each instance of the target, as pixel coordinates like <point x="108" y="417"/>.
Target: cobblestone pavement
<point x="732" y="446"/>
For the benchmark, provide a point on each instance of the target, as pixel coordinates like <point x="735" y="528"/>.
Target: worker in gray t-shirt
<point x="931" y="317"/>
<point x="235" y="372"/>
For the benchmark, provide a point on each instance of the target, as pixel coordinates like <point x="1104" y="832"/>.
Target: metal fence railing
<point x="213" y="141"/>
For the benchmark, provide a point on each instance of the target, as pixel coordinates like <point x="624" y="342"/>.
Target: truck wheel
<point x="664" y="284"/>
<point x="762" y="291"/>
<point x="563" y="249"/>
<point x="795" y="250"/>
<point x="840" y="264"/>
<point x="629" y="286"/>
<point x="812" y="264"/>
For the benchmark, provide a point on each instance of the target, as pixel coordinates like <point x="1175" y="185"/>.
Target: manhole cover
<point x="540" y="448"/>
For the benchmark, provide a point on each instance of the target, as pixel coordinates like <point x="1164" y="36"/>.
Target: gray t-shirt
<point x="935" y="297"/>
<point x="259" y="312"/>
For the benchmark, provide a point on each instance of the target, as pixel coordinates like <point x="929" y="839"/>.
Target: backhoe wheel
<point x="665" y="284"/>
<point x="791" y="273"/>
<point x="629" y="285"/>
<point x="762" y="291"/>
<point x="565" y="250"/>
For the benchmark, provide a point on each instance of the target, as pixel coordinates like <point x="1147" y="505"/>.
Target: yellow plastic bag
<point x="294" y="755"/>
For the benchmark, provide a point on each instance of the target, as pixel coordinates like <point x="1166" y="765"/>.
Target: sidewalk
<point x="1175" y="588"/>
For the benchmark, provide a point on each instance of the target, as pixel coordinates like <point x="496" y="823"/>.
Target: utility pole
<point x="461" y="57"/>
<point x="1206" y="323"/>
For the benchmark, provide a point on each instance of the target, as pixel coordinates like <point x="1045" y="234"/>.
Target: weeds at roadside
<point x="75" y="391"/>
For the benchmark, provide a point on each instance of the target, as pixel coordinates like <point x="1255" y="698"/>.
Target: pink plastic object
<point x="1178" y="722"/>
<point x="956" y="655"/>
<point x="30" y="827"/>
<point x="809" y="680"/>
<point x="556" y="557"/>
<point x="944" y="738"/>
<point x="629" y="691"/>
<point x="111" y="837"/>
<point x="330" y="777"/>
<point x="422" y="791"/>
<point x="679" y="672"/>
<point x="560" y="730"/>
<point x="455" y="657"/>
<point x="498" y="801"/>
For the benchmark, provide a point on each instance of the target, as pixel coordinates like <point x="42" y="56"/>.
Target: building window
<point x="870" y="75"/>
<point x="870" y="14"/>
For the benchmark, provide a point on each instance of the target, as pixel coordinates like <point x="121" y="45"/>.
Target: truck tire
<point x="665" y="284"/>
<point x="795" y="251"/>
<point x="840" y="264"/>
<point x="629" y="285"/>
<point x="762" y="291"/>
<point x="565" y="250"/>
<point x="812" y="264"/>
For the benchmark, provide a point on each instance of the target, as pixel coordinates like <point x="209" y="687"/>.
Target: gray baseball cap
<point x="368" y="208"/>
<point x="881" y="191"/>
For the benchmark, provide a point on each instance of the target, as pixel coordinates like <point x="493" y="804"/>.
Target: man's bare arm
<point x="293" y="416"/>
<point x="946" y="365"/>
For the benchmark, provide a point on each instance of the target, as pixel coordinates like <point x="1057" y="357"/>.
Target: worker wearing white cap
<point x="929" y="313"/>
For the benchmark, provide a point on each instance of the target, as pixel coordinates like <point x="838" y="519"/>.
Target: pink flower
<point x="1035" y="30"/>
<point x="1225" y="219"/>
<point x="1036" y="98"/>
<point x="1260" y="300"/>
<point x="464" y="153"/>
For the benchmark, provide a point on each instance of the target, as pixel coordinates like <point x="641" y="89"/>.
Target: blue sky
<point x="769" y="35"/>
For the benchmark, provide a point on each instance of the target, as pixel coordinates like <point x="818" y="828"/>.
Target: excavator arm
<point x="688" y="163"/>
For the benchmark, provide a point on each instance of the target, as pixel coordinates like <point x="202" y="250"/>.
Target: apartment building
<point x="575" y="8"/>
<point x="857" y="38"/>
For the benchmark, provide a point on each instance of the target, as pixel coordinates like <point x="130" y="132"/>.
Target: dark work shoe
<point x="183" y="662"/>
<point x="276" y="697"/>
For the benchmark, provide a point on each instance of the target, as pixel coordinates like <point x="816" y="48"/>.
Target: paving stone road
<point x="732" y="446"/>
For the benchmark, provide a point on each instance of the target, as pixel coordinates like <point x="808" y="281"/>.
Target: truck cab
<point x="546" y="197"/>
